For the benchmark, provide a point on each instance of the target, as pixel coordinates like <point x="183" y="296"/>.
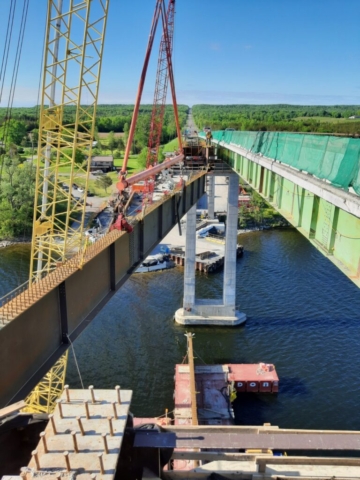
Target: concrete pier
<point x="212" y="311"/>
<point x="190" y="252"/>
<point x="211" y="196"/>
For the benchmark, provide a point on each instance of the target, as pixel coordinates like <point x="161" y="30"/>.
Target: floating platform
<point x="214" y="384"/>
<point x="206" y="262"/>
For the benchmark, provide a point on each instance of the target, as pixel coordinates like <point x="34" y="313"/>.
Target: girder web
<point x="72" y="64"/>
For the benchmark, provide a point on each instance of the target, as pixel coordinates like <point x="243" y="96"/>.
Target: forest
<point x="285" y="118"/>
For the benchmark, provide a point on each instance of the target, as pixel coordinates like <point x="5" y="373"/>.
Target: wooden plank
<point x="15" y="407"/>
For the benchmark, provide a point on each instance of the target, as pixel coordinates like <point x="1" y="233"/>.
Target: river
<point x="303" y="316"/>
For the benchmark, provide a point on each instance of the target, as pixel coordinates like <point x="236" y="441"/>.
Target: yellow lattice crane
<point x="72" y="64"/>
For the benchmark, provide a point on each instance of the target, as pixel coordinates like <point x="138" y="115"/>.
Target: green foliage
<point x="16" y="199"/>
<point x="142" y="158"/>
<point x="79" y="155"/>
<point x="12" y="131"/>
<point x="291" y="118"/>
<point x="104" y="182"/>
<point x="111" y="141"/>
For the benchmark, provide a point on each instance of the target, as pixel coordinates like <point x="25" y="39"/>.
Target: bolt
<point x="34" y="454"/>
<point x="75" y="442"/>
<point x="67" y="461"/>
<point x="42" y="436"/>
<point x="59" y="404"/>
<point x="87" y="412"/>
<point x="106" y="448"/>
<point x="80" y="425"/>
<point x="114" y="408"/>
<point x="66" y="388"/>
<point x="91" y="388"/>
<point x="117" y="388"/>
<point x="101" y="462"/>
<point x="53" y="423"/>
<point x="111" y="426"/>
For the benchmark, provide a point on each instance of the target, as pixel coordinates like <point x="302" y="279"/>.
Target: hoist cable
<point x="7" y="45"/>
<point x="14" y="78"/>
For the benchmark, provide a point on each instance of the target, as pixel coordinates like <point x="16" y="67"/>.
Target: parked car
<point x="74" y="185"/>
<point x="97" y="172"/>
<point x="91" y="231"/>
<point x="91" y="194"/>
<point x="80" y="189"/>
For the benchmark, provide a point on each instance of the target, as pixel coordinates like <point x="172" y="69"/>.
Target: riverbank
<point x="14" y="241"/>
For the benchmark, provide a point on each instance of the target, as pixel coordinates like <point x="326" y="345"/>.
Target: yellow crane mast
<point x="70" y="83"/>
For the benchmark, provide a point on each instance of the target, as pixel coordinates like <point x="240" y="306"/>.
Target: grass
<point x="104" y="135"/>
<point x="329" y="119"/>
<point x="171" y="146"/>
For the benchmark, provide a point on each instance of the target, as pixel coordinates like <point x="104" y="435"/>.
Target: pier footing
<point x="206" y="312"/>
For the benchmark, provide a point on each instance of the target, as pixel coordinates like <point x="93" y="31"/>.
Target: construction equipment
<point x="164" y="75"/>
<point x="72" y="63"/>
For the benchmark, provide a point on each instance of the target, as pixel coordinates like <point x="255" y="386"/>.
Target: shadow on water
<point x="293" y="386"/>
<point x="253" y="408"/>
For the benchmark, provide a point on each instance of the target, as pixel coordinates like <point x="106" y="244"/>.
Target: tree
<point x="120" y="144"/>
<point x="142" y="158"/>
<point x="16" y="199"/>
<point x="104" y="182"/>
<point x="79" y="155"/>
<point x="112" y="143"/>
<point x="12" y="131"/>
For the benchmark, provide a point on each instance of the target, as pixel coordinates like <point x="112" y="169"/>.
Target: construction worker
<point x="208" y="138"/>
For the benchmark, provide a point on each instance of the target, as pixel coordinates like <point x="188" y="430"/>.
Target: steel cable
<point x="7" y="45"/>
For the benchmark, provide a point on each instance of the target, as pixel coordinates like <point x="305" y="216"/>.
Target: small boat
<point x="154" y="263"/>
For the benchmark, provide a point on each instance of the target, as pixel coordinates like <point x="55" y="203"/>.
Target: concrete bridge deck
<point x="324" y="208"/>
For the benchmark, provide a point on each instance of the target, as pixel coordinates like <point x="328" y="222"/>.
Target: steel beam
<point x="31" y="341"/>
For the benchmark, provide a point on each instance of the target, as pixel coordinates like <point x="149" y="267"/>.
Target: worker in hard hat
<point x="208" y="138"/>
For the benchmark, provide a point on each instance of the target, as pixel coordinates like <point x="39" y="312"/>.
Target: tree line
<point x="288" y="118"/>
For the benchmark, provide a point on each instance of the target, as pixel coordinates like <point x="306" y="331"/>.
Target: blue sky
<point x="225" y="51"/>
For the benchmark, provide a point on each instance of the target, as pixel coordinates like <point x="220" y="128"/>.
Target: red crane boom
<point x="163" y="75"/>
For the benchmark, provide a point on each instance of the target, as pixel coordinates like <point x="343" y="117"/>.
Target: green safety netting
<point x="335" y="159"/>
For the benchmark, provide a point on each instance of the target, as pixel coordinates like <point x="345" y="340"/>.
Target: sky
<point x="303" y="52"/>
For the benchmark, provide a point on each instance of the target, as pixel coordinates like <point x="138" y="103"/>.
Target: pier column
<point x="211" y="196"/>
<point x="190" y="252"/>
<point x="229" y="292"/>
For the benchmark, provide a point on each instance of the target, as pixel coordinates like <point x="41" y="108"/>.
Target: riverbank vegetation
<point x="285" y="118"/>
<point x="257" y="213"/>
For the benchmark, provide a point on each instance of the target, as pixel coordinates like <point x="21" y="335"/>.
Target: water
<point x="302" y="316"/>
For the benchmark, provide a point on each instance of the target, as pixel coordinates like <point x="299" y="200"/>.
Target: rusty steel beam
<point x="38" y="323"/>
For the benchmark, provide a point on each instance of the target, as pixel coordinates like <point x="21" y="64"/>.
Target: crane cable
<point x="14" y="76"/>
<point x="7" y="45"/>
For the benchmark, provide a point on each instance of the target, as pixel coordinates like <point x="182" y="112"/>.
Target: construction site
<point x="47" y="428"/>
